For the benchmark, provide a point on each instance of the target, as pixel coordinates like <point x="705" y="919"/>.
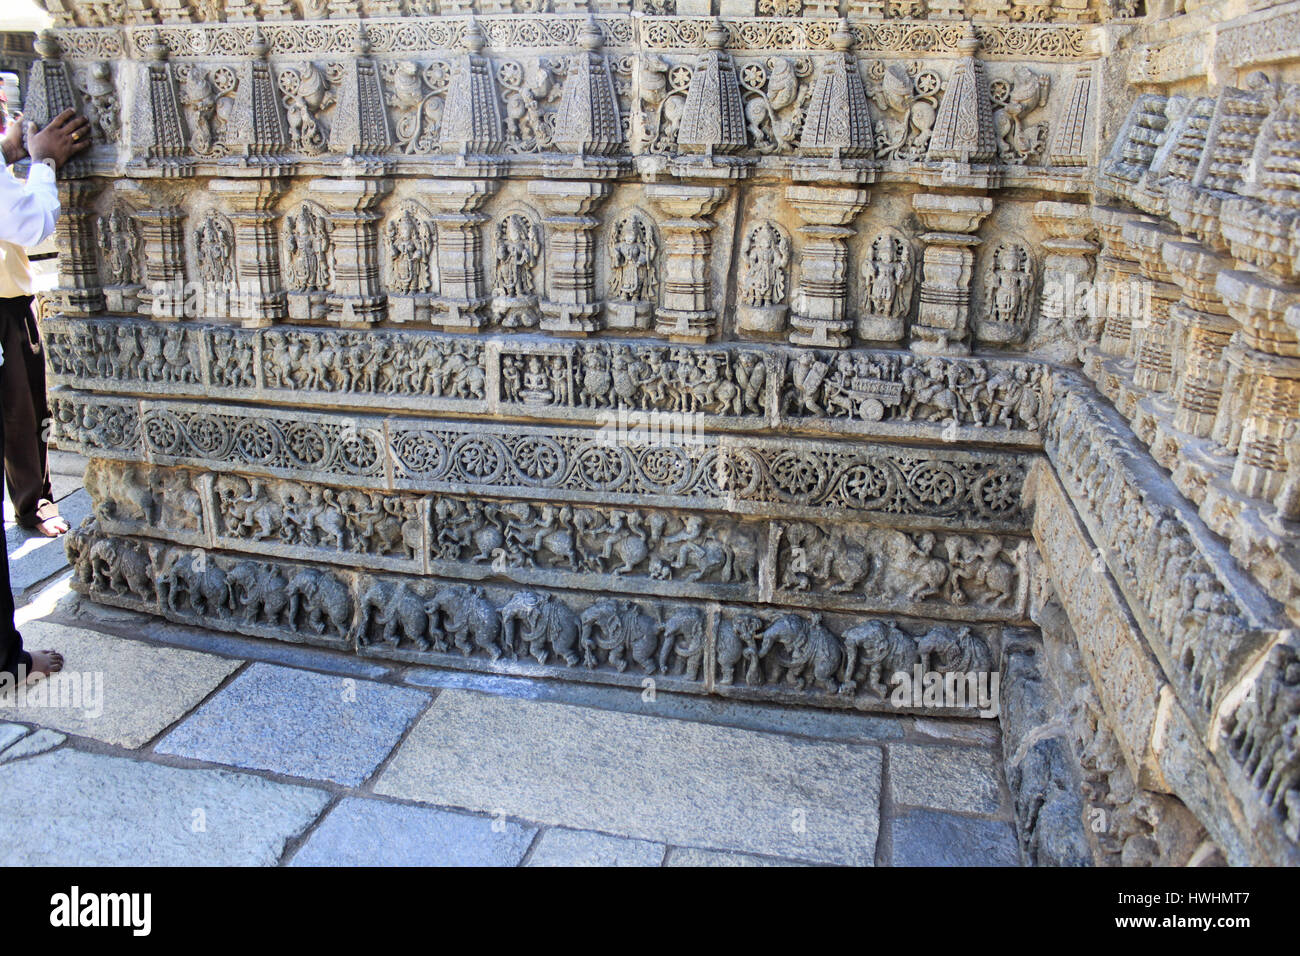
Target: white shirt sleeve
<point x="28" y="210"/>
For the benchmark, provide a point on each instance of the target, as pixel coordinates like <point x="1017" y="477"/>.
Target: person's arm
<point x="28" y="211"/>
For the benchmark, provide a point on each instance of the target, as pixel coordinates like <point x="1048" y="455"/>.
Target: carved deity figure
<point x="119" y="245"/>
<point x="215" y="247"/>
<point x="632" y="260"/>
<point x="519" y="249"/>
<point x="887" y="276"/>
<point x="411" y="246"/>
<point x="765" y="257"/>
<point x="1009" y="280"/>
<point x="307" y="248"/>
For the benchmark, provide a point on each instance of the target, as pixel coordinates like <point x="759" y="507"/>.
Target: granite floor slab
<point x="98" y="810"/>
<point x="360" y="832"/>
<point x="666" y="781"/>
<point x="111" y="689"/>
<point x="931" y="838"/>
<point x="558" y="847"/>
<point x="299" y="723"/>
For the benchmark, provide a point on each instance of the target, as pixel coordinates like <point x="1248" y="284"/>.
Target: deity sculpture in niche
<point x="764" y="279"/>
<point x="119" y="253"/>
<point x="1008" y="293"/>
<point x="413" y="271"/>
<point x="633" y="277"/>
<point x="885" y="281"/>
<point x="214" y="246"/>
<point x="514" y="283"/>
<point x="307" y="266"/>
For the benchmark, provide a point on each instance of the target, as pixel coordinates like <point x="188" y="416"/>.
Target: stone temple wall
<point x="761" y="350"/>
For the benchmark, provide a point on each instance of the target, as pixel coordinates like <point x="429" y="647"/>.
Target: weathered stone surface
<point x="803" y="722"/>
<point x="295" y="722"/>
<point x="664" y="781"/>
<point x="118" y="691"/>
<point x="690" y="856"/>
<point x="558" y="847"/>
<point x="96" y="810"/>
<point x="779" y="235"/>
<point x="359" y="832"/>
<point x="37" y="742"/>
<point x="930" y="838"/>
<point x="9" y="733"/>
<point x="964" y="779"/>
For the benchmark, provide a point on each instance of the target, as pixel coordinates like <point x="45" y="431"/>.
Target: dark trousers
<point x="12" y="655"/>
<point x="26" y="413"/>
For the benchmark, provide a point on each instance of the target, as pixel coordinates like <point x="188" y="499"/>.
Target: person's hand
<point x="63" y="137"/>
<point x="12" y="144"/>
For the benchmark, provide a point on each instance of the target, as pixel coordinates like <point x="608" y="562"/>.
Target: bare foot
<point x="44" y="663"/>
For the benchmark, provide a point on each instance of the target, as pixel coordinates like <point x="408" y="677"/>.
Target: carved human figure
<point x="307" y="247"/>
<point x="411" y="248"/>
<point x="886" y="276"/>
<point x="632" y="260"/>
<point x="119" y="245"/>
<point x="519" y="248"/>
<point x="215" y="247"/>
<point x="765" y="258"/>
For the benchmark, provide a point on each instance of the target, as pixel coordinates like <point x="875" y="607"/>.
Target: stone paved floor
<point x="181" y="746"/>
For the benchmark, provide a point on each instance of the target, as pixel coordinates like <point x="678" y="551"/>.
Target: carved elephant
<point x="545" y="624"/>
<point x="260" y="590"/>
<point x="325" y="600"/>
<point x="683" y="635"/>
<point x="876" y="650"/>
<point x="468" y="618"/>
<point x="807" y="651"/>
<point x="619" y="627"/>
<point x="399" y="608"/>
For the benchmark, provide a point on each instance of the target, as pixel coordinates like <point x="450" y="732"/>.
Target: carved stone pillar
<point x="820" y="306"/>
<point x="1270" y="361"/>
<point x="684" y="312"/>
<point x="1152" y="337"/>
<point x="250" y="203"/>
<point x="943" y="318"/>
<point x="162" y="255"/>
<point x="1116" y="290"/>
<point x="356" y="297"/>
<point x="571" y="303"/>
<point x="1206" y="328"/>
<point x="79" y="291"/>
<point x="1068" y="266"/>
<point x="456" y="204"/>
